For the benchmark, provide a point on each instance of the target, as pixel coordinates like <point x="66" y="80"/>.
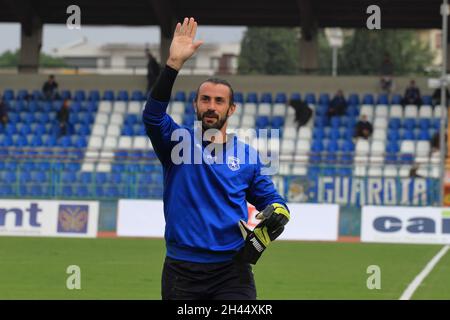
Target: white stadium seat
<point x="98" y="130"/>
<point x="264" y="109"/>
<point x="135" y="107"/>
<point x="279" y="109"/>
<point x="379" y="134"/>
<point x="102" y="118"/>
<point x="290" y="133"/>
<point x="248" y="121"/>
<point x="396" y="111"/>
<point x="177" y="107"/>
<point x="105" y="106"/>
<point x="249" y="108"/>
<point x="408" y="146"/>
<point x="410" y="111"/>
<point x="120" y="107"/>
<point x="140" y="142"/>
<point x="95" y="142"/>
<point x="390" y="171"/>
<point x="367" y="109"/>
<point x="380" y="123"/>
<point x="381" y="110"/>
<point x="125" y="143"/>
<point x="305" y="133"/>
<point x="425" y="111"/>
<point x="110" y="143"/>
<point x="113" y="130"/>
<point x="116" y="118"/>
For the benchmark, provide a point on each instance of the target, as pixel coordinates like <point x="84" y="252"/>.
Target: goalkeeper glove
<point x="258" y="240"/>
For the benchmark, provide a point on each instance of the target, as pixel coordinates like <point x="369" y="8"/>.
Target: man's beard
<point x="220" y="122"/>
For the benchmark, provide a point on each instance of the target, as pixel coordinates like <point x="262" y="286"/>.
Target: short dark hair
<point x="218" y="81"/>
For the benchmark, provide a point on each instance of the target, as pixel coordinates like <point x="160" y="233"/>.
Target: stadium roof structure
<point x="321" y="13"/>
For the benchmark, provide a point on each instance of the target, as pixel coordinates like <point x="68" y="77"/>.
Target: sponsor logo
<point x="256" y="244"/>
<point x="18" y="214"/>
<point x="391" y="224"/>
<point x="233" y="163"/>
<point x="73" y="218"/>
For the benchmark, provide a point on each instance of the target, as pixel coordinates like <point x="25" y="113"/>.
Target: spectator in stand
<point x="436" y="141"/>
<point x="338" y="105"/>
<point x="436" y="98"/>
<point x="413" y="172"/>
<point x="387" y="70"/>
<point x="63" y="118"/>
<point x="412" y="94"/>
<point x="302" y="112"/>
<point x="50" y="88"/>
<point x="3" y="111"/>
<point x="363" y="128"/>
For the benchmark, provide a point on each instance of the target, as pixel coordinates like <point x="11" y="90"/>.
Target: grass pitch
<point x="121" y="268"/>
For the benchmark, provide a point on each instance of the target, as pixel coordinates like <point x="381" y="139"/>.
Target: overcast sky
<point x="58" y="35"/>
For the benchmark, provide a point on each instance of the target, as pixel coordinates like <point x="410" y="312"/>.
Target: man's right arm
<point x="159" y="125"/>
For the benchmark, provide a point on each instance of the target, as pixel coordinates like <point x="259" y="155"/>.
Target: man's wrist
<point x="174" y="63"/>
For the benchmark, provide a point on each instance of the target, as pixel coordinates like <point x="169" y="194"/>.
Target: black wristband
<point x="163" y="86"/>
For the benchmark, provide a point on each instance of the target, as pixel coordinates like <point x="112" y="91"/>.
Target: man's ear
<point x="231" y="109"/>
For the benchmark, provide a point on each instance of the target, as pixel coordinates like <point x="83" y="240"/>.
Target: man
<point x="412" y="94"/>
<point x="204" y="203"/>
<point x="63" y="118"/>
<point x="363" y="128"/>
<point x="338" y="105"/>
<point x="3" y="112"/>
<point x="387" y="70"/>
<point x="152" y="70"/>
<point x="49" y="89"/>
<point x="302" y="112"/>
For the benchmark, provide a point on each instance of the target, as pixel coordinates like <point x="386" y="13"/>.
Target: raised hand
<point x="183" y="45"/>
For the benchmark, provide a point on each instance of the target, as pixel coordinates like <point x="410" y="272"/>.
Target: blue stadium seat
<point x="426" y="99"/>
<point x="266" y="97"/>
<point x="108" y="95"/>
<point x="10" y="177"/>
<point x="318" y="133"/>
<point x="353" y="99"/>
<point x="396" y="99"/>
<point x="85" y="177"/>
<point x="310" y="98"/>
<point x="91" y="107"/>
<point x="334" y="134"/>
<point x="280" y="97"/>
<point x="99" y="192"/>
<point x="408" y="135"/>
<point x="324" y="98"/>
<point x="25" y="129"/>
<point x="409" y="123"/>
<point x="368" y="99"/>
<point x="101" y="177"/>
<point x="192" y="96"/>
<point x="277" y="122"/>
<point x="383" y="99"/>
<point x="67" y="191"/>
<point x="94" y="95"/>
<point x="65" y="94"/>
<point x="8" y="94"/>
<point x="262" y="122"/>
<point x="424" y="135"/>
<point x="84" y="130"/>
<point x="82" y="192"/>
<point x="180" y="96"/>
<point x="6" y="190"/>
<point x="79" y="95"/>
<point x="296" y="96"/>
<point x="137" y="95"/>
<point x="22" y="94"/>
<point x="69" y="177"/>
<point x="189" y="108"/>
<point x="424" y="124"/>
<point x="112" y="192"/>
<point x="127" y="130"/>
<point x="393" y="135"/>
<point x="131" y="119"/>
<point x="122" y="95"/>
<point x="144" y="192"/>
<point x="238" y="97"/>
<point x="21" y="141"/>
<point x="394" y="123"/>
<point x="392" y="149"/>
<point x="252" y="97"/>
<point x="335" y="122"/>
<point x="40" y="177"/>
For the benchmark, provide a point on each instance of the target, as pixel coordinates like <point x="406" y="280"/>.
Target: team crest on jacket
<point x="233" y="163"/>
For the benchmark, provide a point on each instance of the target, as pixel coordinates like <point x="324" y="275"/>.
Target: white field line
<point x="412" y="287"/>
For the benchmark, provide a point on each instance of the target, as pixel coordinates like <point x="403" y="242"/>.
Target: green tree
<point x="363" y="52"/>
<point x="11" y="59"/>
<point x="269" y="51"/>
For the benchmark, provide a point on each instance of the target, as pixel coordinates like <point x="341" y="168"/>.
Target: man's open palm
<point x="183" y="45"/>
